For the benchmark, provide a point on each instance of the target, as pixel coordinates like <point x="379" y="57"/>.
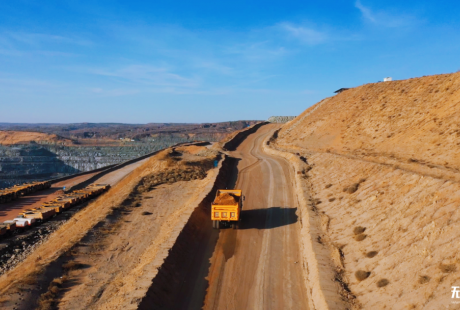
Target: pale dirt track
<point x="259" y="265"/>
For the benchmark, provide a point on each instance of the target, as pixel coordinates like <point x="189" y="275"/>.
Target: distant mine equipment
<point x="226" y="208"/>
<point x="388" y="79"/>
<point x="13" y="193"/>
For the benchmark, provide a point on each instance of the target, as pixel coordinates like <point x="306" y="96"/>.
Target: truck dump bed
<point x="226" y="205"/>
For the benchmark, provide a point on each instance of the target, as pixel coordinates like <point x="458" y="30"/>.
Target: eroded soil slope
<point x="381" y="165"/>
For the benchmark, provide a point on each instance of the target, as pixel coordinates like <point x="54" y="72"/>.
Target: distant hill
<point x="85" y="132"/>
<point x="27" y="137"/>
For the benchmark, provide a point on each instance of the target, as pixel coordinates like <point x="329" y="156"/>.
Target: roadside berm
<point x="377" y="176"/>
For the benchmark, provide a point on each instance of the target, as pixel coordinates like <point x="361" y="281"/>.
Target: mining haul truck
<point x="226" y="208"/>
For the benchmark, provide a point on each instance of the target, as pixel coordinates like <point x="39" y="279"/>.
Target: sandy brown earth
<point x="122" y="265"/>
<point x="25" y="137"/>
<point x="381" y="164"/>
<point x="411" y="121"/>
<point x="259" y="266"/>
<point x="352" y="205"/>
<point x="107" y="254"/>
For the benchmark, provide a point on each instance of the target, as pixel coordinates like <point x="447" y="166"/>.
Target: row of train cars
<point x="47" y="210"/>
<point x="17" y="191"/>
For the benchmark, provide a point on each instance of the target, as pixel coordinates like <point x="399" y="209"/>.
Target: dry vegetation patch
<point x="371" y="254"/>
<point x="362" y="275"/>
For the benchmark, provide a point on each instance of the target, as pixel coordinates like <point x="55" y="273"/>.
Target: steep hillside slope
<point x="380" y="165"/>
<point x="411" y="120"/>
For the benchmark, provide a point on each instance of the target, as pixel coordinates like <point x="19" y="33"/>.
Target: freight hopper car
<point x="7" y="227"/>
<point x="51" y="208"/>
<point x="13" y="193"/>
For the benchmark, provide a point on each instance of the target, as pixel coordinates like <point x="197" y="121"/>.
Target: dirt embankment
<point x="185" y="270"/>
<point x="381" y="165"/>
<point x="415" y="121"/>
<point x="133" y="226"/>
<point x="108" y="254"/>
<point x="235" y="139"/>
<point x="26" y="137"/>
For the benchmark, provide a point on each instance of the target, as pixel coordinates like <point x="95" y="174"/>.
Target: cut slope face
<point x="411" y="120"/>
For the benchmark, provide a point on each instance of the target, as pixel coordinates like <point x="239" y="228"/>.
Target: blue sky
<point x="209" y="61"/>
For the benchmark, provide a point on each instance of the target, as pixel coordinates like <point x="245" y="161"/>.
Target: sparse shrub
<point x="146" y="213"/>
<point x="448" y="268"/>
<point x="362" y="275"/>
<point x="424" y="279"/>
<point x="371" y="254"/>
<point x="359" y="230"/>
<point x="54" y="289"/>
<point x="360" y="237"/>
<point x="352" y="188"/>
<point x="382" y="283"/>
<point x="331" y="199"/>
<point x="329" y="185"/>
<point x="71" y="265"/>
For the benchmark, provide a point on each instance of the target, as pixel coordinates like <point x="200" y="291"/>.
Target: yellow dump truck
<point x="226" y="208"/>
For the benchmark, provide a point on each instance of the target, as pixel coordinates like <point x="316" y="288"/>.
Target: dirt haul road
<point x="259" y="265"/>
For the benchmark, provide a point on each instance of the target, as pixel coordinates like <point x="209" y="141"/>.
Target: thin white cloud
<point x="214" y="66"/>
<point x="305" y="35"/>
<point x="384" y="18"/>
<point x="367" y="13"/>
<point x="115" y="92"/>
<point x="254" y="53"/>
<point x="143" y="74"/>
<point x="37" y="39"/>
